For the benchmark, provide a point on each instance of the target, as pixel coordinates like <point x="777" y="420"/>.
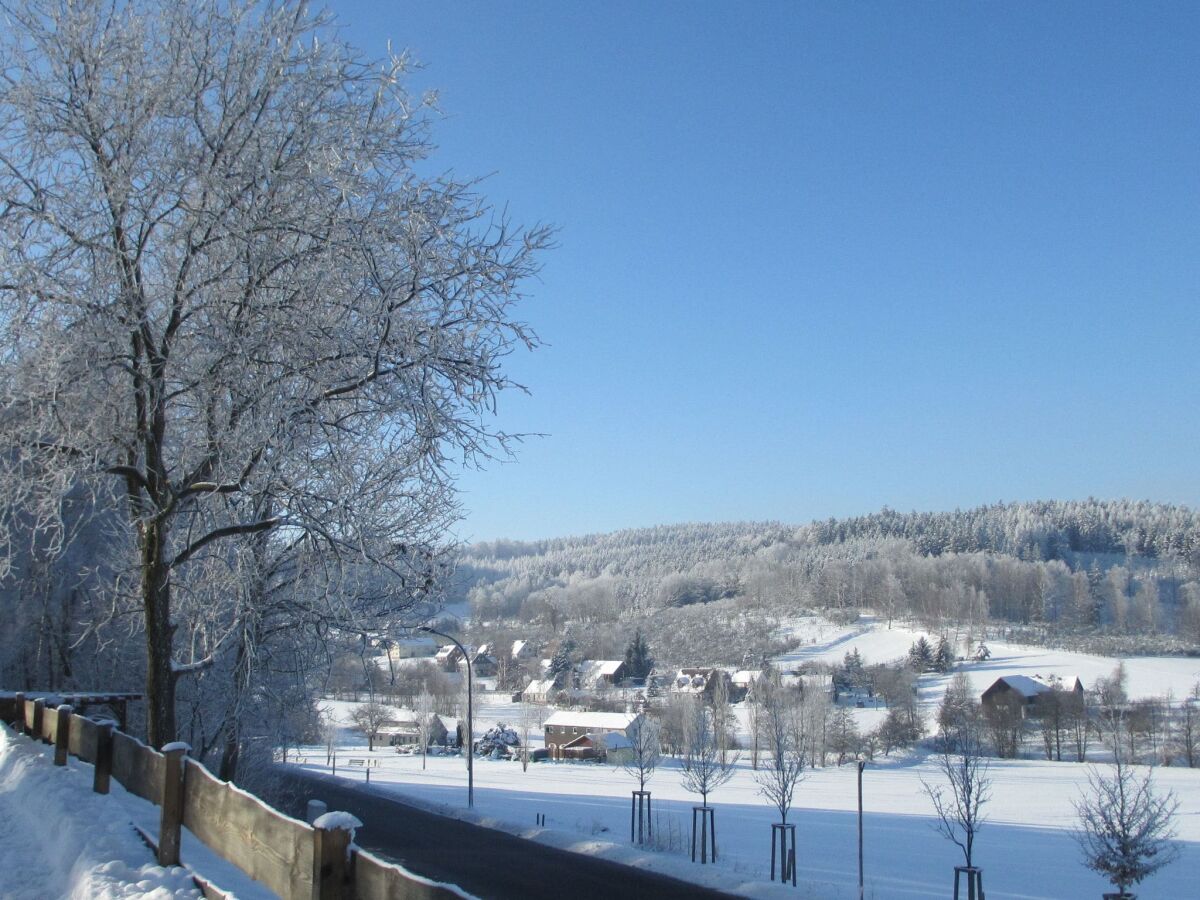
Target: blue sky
<point x="820" y="258"/>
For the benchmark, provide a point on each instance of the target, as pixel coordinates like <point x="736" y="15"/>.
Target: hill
<point x="1111" y="576"/>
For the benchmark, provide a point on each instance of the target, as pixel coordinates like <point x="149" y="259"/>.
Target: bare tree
<point x="423" y="707"/>
<point x="723" y="719"/>
<point x="530" y="721"/>
<point x="1189" y="727"/>
<point x="1126" y="828"/>
<point x="645" y="751"/>
<point x="960" y="812"/>
<point x="232" y="307"/>
<point x="369" y="718"/>
<point x="778" y="725"/>
<point x="704" y="767"/>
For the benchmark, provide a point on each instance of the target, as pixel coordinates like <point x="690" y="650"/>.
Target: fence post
<point x="332" y="834"/>
<point x="104" y="759"/>
<point x="172" y="804"/>
<point x="316" y="809"/>
<point x="62" y="735"/>
<point x="19" y="718"/>
<point x="39" y="709"/>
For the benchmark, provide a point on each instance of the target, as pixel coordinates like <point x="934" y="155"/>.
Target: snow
<point x="177" y="745"/>
<point x="337" y="821"/>
<point x="1024" y="685"/>
<point x="58" y="839"/>
<point x="598" y="721"/>
<point x="1026" y="847"/>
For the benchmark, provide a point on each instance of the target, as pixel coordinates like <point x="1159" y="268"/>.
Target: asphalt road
<point x="491" y="864"/>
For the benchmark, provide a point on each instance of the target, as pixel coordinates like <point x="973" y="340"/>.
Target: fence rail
<point x="292" y="858"/>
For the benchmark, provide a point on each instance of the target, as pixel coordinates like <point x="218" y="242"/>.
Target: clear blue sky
<point x="819" y="258"/>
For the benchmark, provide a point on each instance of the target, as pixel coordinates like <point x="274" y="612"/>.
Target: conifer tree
<point x="638" y="660"/>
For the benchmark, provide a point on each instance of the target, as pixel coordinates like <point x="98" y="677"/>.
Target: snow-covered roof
<point x="543" y="686"/>
<point x="592" y="670"/>
<point x="403" y="718"/>
<point x="593" y="721"/>
<point x="517" y="647"/>
<point x="746" y="677"/>
<point x="1024" y="685"/>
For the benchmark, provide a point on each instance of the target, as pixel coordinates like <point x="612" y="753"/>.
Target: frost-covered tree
<point x="703" y="767"/>
<point x="943" y="656"/>
<point x="369" y="718"/>
<point x="780" y="732"/>
<point x="645" y="751"/>
<point x="529" y="721"/>
<point x="232" y="304"/>
<point x="958" y="713"/>
<point x="960" y="811"/>
<point x="424" y="708"/>
<point x="1125" y="826"/>
<point x="920" y="655"/>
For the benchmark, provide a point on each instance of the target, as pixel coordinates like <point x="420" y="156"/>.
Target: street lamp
<point x="470" y="714"/>
<point x="862" y="764"/>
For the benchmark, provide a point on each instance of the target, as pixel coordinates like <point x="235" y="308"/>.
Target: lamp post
<point x="862" y="764"/>
<point x="470" y="714"/>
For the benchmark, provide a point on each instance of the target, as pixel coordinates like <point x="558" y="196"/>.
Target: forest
<point x="1107" y="576"/>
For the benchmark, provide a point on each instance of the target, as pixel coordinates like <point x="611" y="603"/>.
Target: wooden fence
<point x="295" y="860"/>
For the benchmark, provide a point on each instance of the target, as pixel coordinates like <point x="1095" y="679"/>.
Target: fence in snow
<point x="292" y="858"/>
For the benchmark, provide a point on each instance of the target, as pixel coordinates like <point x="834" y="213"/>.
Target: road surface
<point x="491" y="864"/>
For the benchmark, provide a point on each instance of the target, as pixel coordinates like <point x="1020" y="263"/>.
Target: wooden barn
<point x="1024" y="691"/>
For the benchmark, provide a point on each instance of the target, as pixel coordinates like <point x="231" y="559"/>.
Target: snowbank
<point x="58" y="839"/>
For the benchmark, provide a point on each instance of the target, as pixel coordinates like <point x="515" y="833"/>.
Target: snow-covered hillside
<point x="818" y="640"/>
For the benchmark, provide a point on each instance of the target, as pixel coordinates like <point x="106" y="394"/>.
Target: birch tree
<point x="233" y="307"/>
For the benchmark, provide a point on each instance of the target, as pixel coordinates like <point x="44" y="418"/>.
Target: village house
<point x="448" y="657"/>
<point x="414" y="647"/>
<point x="404" y="730"/>
<point x="523" y="651"/>
<point x="698" y="682"/>
<point x="600" y="674"/>
<point x="483" y="664"/>
<point x="1024" y="691"/>
<point x="742" y="684"/>
<point x="545" y="689"/>
<point x="583" y="735"/>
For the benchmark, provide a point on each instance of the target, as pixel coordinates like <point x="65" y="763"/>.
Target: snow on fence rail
<point x="290" y="857"/>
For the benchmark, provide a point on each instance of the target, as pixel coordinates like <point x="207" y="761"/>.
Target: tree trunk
<point x="156" y="604"/>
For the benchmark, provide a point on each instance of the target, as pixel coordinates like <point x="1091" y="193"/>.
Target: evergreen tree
<point x="920" y="656"/>
<point x="853" y="664"/>
<point x="638" y="660"/>
<point x="943" y="660"/>
<point x="563" y="659"/>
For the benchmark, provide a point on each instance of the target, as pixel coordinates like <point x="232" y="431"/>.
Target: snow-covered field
<point x="1026" y="847"/>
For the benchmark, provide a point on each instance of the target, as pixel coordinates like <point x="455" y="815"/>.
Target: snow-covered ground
<point x="58" y="839"/>
<point x="1026" y="848"/>
<point x="818" y="640"/>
